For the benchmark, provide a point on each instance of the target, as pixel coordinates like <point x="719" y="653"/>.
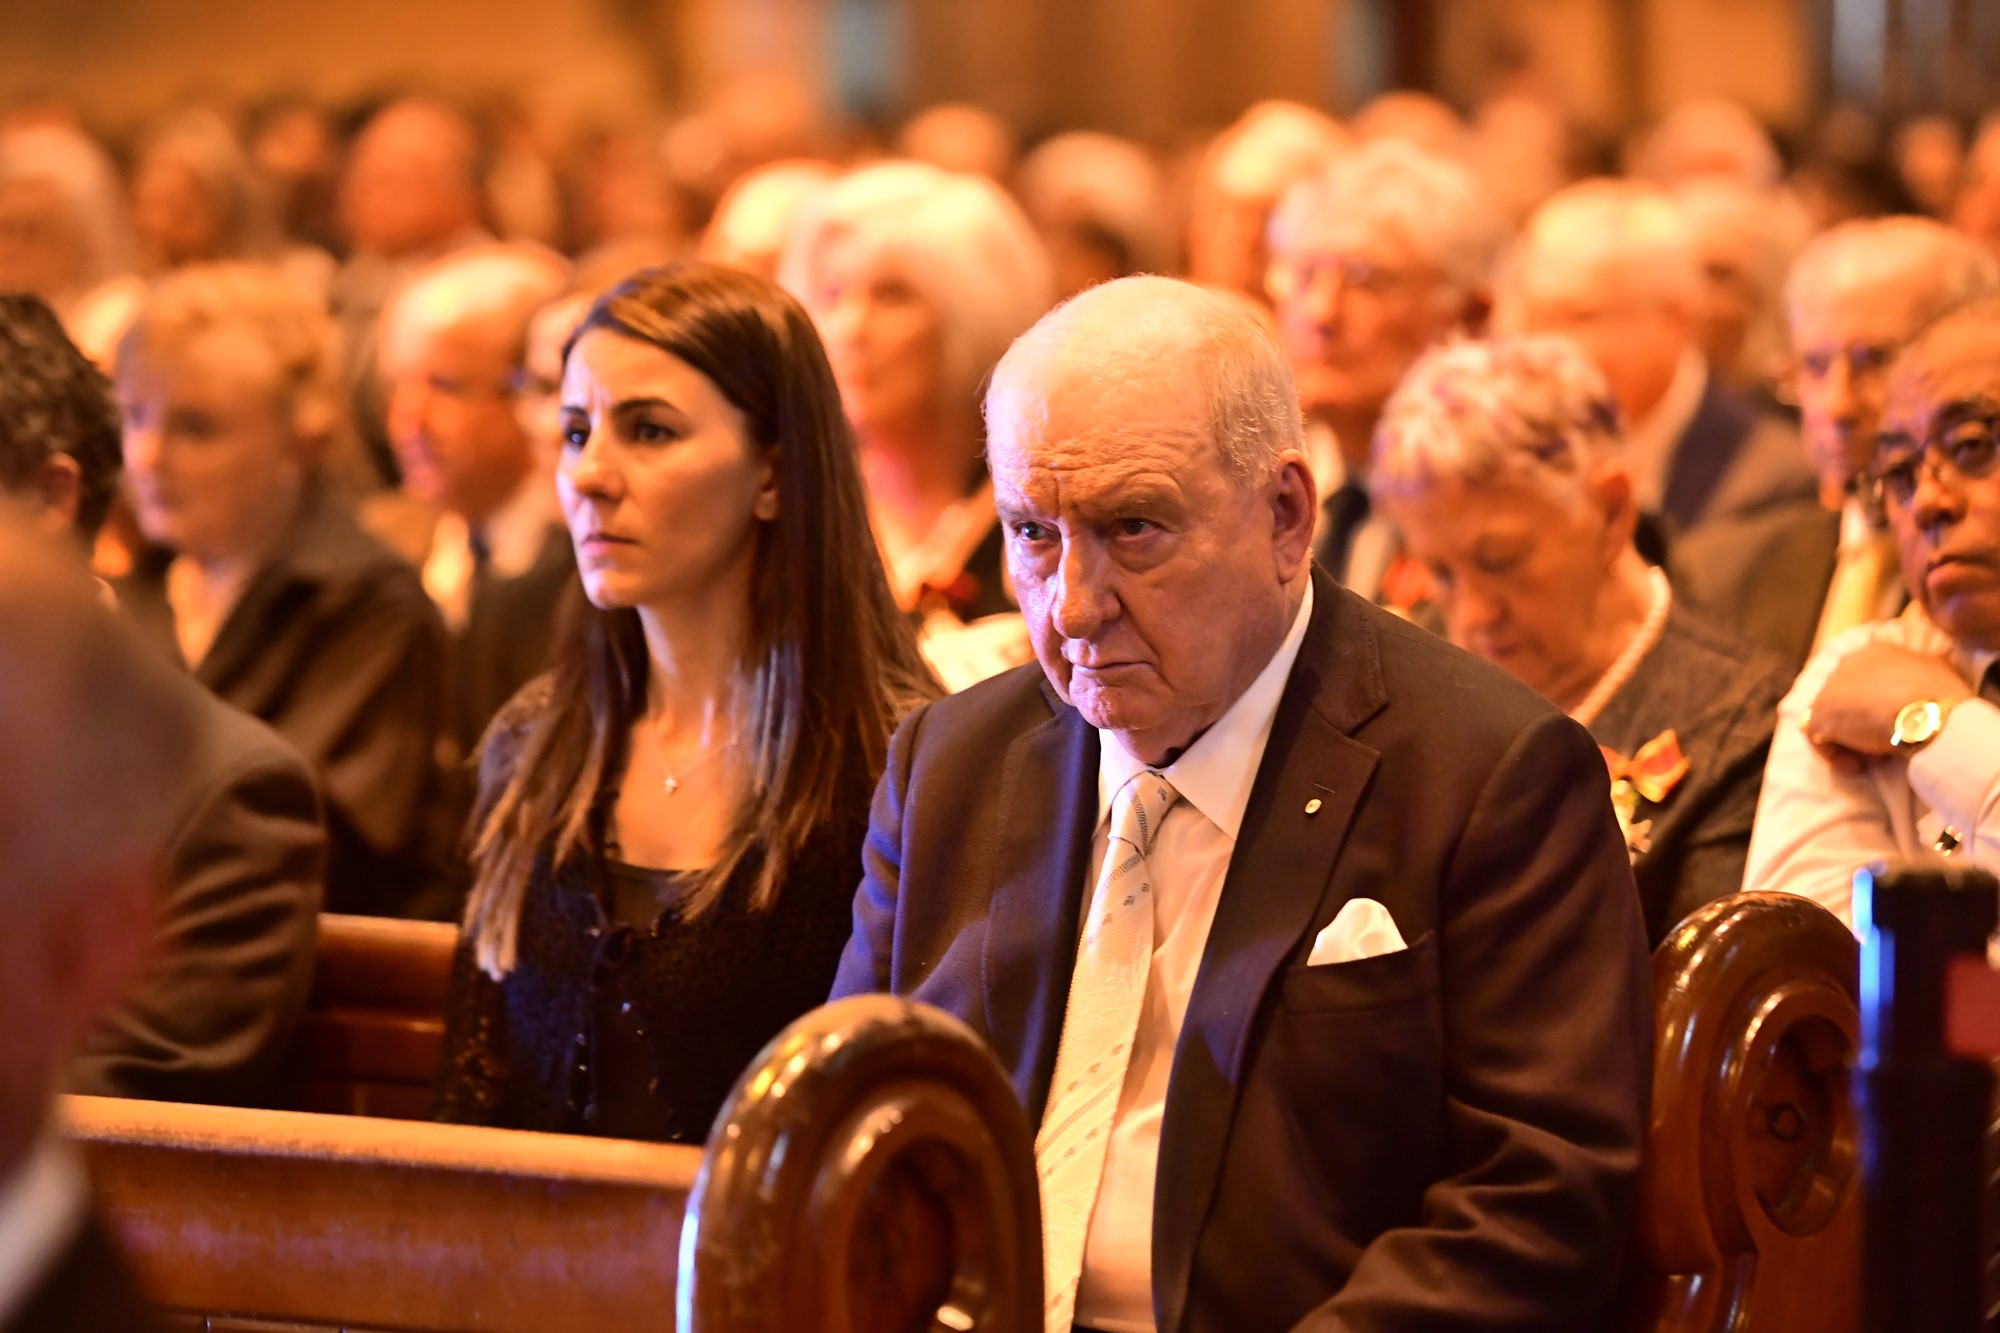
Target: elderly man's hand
<point x="1854" y="715"/>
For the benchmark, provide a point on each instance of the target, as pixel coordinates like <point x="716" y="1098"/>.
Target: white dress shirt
<point x="41" y="1209"/>
<point x="1652" y="441"/>
<point x="1374" y="544"/>
<point x="1816" y="825"/>
<point x="1187" y="865"/>
<point x="514" y="536"/>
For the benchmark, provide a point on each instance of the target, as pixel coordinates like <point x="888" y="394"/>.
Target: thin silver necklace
<point x="671" y="782"/>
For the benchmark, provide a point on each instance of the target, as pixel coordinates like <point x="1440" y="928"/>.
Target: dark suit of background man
<point x="94" y="728"/>
<point x="243" y="868"/>
<point x="1310" y="941"/>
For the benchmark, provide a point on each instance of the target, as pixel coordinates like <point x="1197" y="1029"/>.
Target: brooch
<point x="1651" y="774"/>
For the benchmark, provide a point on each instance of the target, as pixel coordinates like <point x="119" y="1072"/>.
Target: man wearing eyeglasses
<point x="1797" y="576"/>
<point x="1373" y="260"/>
<point x="1889" y="744"/>
<point x="497" y="557"/>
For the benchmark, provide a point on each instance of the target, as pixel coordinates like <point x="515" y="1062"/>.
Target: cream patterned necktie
<point x="1106" y="994"/>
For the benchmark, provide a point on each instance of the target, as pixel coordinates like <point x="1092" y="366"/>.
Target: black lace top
<point x="614" y="1026"/>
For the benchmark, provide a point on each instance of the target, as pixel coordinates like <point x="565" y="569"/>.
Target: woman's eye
<point x="653" y="432"/>
<point x="575" y="437"/>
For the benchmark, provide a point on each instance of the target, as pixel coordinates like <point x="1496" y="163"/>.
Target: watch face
<point x="1917" y="723"/>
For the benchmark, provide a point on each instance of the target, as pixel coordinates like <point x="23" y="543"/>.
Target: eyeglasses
<point x="1966" y="449"/>
<point x="1287" y="278"/>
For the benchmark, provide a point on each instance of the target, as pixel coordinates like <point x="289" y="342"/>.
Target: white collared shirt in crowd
<point x="41" y="1209"/>
<point x="514" y="536"/>
<point x="1373" y="546"/>
<point x="1187" y="865"/>
<point x="1816" y="825"/>
<point x="1652" y="441"/>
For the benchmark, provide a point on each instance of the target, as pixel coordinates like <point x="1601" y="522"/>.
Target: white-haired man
<point x="1310" y="941"/>
<point x="1795" y="577"/>
<point x="1888" y="746"/>
<point x="1373" y="260"/>
<point x="95" y="733"/>
<point x="1613" y="265"/>
<point x="498" y="558"/>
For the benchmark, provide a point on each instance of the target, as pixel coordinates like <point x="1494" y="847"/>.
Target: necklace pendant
<point x="672" y="784"/>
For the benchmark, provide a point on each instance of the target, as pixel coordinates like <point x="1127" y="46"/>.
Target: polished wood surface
<point x="1749" y="1211"/>
<point x="370" y="1039"/>
<point x="386" y="1224"/>
<point x="873" y="1172"/>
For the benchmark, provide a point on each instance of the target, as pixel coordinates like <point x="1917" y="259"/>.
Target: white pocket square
<point x="1362" y="929"/>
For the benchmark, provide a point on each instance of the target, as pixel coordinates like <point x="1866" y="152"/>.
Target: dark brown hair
<point x="831" y="664"/>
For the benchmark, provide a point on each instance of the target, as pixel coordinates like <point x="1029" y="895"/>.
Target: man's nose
<point x="408" y="402"/>
<point x="1083" y="602"/>
<point x="1938" y="500"/>
<point x="142" y="448"/>
<point x="1838" y="402"/>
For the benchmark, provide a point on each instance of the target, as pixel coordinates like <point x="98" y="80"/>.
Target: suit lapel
<point x="1048" y="804"/>
<point x="1277" y="882"/>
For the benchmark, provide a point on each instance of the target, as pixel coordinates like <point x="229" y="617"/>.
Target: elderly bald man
<point x="1795" y="577"/>
<point x="1245" y="874"/>
<point x="1613" y="265"/>
<point x="497" y="559"/>
<point x="95" y="731"/>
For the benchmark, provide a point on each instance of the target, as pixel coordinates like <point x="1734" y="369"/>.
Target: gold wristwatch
<point x="1918" y="723"/>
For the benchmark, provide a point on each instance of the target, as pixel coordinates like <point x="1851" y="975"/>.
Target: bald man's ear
<point x="1294" y="512"/>
<point x="55" y="495"/>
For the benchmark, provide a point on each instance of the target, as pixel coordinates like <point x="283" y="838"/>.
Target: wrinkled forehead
<point x="1953" y="370"/>
<point x="1068" y="413"/>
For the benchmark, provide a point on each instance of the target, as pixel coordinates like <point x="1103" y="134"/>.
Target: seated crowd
<point x="1278" y="708"/>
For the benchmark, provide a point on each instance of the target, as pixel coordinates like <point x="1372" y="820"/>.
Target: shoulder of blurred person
<point x="1763" y="574"/>
<point x="213" y="1015"/>
<point x="1717" y="697"/>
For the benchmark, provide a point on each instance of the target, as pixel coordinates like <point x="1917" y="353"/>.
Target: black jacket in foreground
<point x="233" y="964"/>
<point x="689" y="1004"/>
<point x="1439" y="1140"/>
<point x="337" y="646"/>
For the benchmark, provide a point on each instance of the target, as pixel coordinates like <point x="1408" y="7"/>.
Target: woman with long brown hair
<point x="669" y="827"/>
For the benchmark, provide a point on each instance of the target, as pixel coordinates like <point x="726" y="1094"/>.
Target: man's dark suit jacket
<point x="87" y="1290"/>
<point x="1733" y="459"/>
<point x="234" y="960"/>
<point x="1444" y="1138"/>
<point x="505" y="642"/>
<point x="335" y="643"/>
<point x="1764" y="574"/>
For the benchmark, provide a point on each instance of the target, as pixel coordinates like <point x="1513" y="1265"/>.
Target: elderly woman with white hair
<point x="918" y="279"/>
<point x="1500" y="463"/>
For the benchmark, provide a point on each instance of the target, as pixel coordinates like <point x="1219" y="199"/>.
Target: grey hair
<point x="1624" y="233"/>
<point x="1437" y="204"/>
<point x="1532" y="409"/>
<point x="1121" y="330"/>
<point x="1959" y="268"/>
<point x="961" y="242"/>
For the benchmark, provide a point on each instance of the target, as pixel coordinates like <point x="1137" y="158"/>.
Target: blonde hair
<point x="299" y="337"/>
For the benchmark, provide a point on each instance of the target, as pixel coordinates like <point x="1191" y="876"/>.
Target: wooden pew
<point x="370" y="1038"/>
<point x="1749" y="1200"/>
<point x="872" y="1171"/>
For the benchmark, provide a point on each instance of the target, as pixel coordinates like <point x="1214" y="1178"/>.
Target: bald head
<point x="1138" y="337"/>
<point x="1143" y="440"/>
<point x="412" y="181"/>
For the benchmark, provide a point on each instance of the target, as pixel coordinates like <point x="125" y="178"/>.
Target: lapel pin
<point x="1312" y="806"/>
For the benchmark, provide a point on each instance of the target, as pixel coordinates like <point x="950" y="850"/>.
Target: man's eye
<point x="1497" y="565"/>
<point x="1029" y="531"/>
<point x="1972" y="449"/>
<point x="1135" y="527"/>
<point x="1816" y="364"/>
